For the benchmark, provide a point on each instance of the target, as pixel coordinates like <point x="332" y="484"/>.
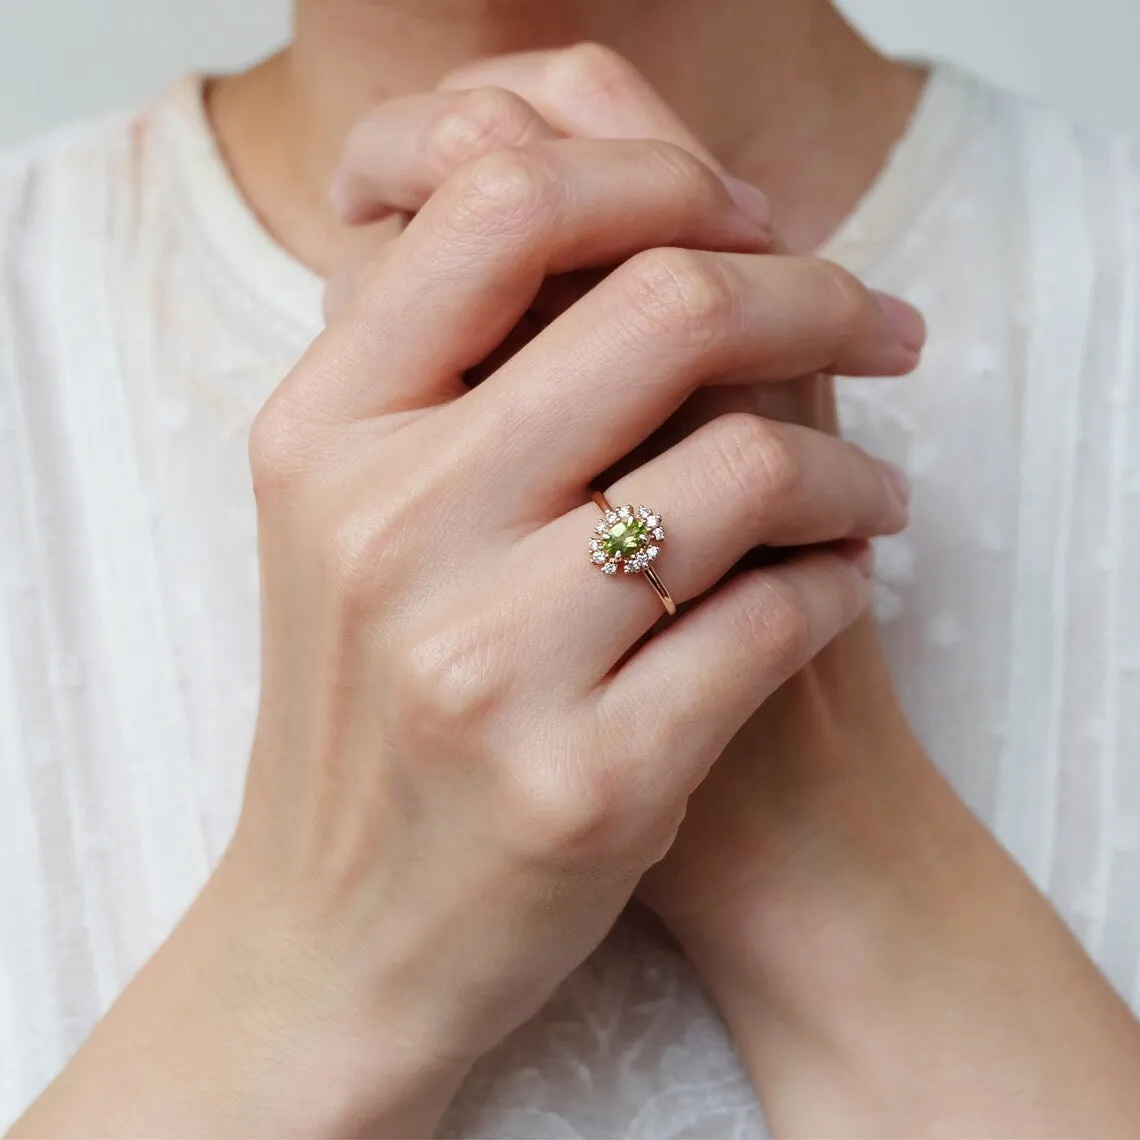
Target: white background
<point x="63" y="59"/>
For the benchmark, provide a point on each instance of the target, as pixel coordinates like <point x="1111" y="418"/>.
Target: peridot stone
<point x="624" y="539"/>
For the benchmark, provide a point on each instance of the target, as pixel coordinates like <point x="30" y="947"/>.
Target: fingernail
<point x="862" y="556"/>
<point x="750" y="201"/>
<point x="897" y="481"/>
<point x="905" y="321"/>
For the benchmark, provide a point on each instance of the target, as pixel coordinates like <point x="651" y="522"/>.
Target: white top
<point x="144" y="317"/>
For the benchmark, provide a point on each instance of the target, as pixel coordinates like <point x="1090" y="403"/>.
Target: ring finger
<point x="736" y="483"/>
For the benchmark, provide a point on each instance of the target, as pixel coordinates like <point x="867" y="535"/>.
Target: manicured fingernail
<point x="750" y="201"/>
<point x="906" y="322"/>
<point x="897" y="481"/>
<point x="862" y="556"/>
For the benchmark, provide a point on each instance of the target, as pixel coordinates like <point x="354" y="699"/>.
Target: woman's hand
<point x="885" y="967"/>
<point x="466" y="757"/>
<point x="398" y="156"/>
<point x="459" y="769"/>
<point x="740" y="822"/>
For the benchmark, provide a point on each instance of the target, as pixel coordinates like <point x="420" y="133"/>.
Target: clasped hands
<point x="478" y="731"/>
<point x="584" y="121"/>
<point x="473" y="749"/>
<point x="468" y="751"/>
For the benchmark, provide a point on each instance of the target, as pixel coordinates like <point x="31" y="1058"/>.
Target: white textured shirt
<point x="144" y="318"/>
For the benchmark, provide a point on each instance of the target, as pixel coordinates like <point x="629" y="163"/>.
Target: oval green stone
<point x="625" y="539"/>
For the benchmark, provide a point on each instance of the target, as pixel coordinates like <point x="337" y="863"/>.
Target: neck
<point x="784" y="92"/>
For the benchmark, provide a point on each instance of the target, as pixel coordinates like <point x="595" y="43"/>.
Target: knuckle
<point x="845" y="297"/>
<point x="364" y="544"/>
<point x="565" y="820"/>
<point x="354" y="552"/>
<point x="571" y="809"/>
<point x="357" y="287"/>
<point x="754" y="459"/>
<point x="362" y="287"/>
<point x="680" y="294"/>
<point x="866" y="478"/>
<point x="692" y="184"/>
<point x="280" y="450"/>
<point x="784" y="629"/>
<point x="483" y="119"/>
<point x="781" y="465"/>
<point x="506" y="192"/>
<point x="595" y="795"/>
<point x="593" y="74"/>
<point x="448" y="684"/>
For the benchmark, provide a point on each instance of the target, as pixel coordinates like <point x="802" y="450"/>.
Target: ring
<point x="630" y="540"/>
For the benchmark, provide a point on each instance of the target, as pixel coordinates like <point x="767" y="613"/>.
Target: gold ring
<point x="630" y="540"/>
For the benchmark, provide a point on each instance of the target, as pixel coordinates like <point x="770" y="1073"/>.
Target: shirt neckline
<point x="909" y="178"/>
<point x="226" y="223"/>
<point x="276" y="280"/>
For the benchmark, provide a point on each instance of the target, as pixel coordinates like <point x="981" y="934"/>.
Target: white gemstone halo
<point x="628" y="540"/>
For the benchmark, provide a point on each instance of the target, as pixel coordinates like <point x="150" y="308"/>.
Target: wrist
<point x="229" y="1031"/>
<point x="829" y="796"/>
<point x="857" y="851"/>
<point x="348" y="1047"/>
<point x="824" y="972"/>
<point x="912" y="961"/>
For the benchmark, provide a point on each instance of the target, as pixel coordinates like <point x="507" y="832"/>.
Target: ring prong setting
<point x="628" y="540"/>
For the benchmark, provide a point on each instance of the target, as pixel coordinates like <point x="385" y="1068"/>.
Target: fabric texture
<point x="145" y="317"/>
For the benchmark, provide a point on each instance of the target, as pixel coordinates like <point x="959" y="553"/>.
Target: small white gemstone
<point x="659" y="534"/>
<point x="595" y="545"/>
<point x="631" y="568"/>
<point x="599" y="557"/>
<point x="644" y="512"/>
<point x="652" y="521"/>
<point x="625" y="513"/>
<point x="611" y="517"/>
<point x="609" y="568"/>
<point x="652" y="553"/>
<point x="600" y="528"/>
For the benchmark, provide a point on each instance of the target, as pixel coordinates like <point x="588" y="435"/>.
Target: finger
<point x="735" y="484"/>
<point x="740" y="481"/>
<point x="351" y="273"/>
<point x="472" y="261"/>
<point x="696" y="683"/>
<point x="591" y="90"/>
<point x="400" y="154"/>
<point x="587" y="89"/>
<point x="659" y="327"/>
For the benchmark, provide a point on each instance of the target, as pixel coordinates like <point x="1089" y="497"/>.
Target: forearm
<point x="226" y="1033"/>
<point x="900" y="976"/>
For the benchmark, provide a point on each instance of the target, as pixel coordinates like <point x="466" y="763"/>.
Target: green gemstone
<point x="625" y="539"/>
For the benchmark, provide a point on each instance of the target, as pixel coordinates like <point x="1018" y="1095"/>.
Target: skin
<point x="874" y="951"/>
<point x="866" y="940"/>
<point x="453" y="793"/>
<point x="822" y="113"/>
